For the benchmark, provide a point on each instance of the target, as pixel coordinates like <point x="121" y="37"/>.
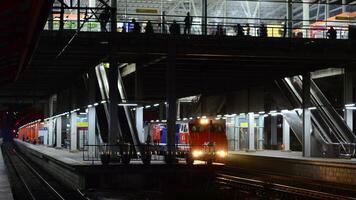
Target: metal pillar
<point x="113" y="17"/>
<point x="348" y="88"/>
<point x="139" y="124"/>
<point x="251" y="132"/>
<point x="286" y="135"/>
<point x="78" y="15"/>
<point x="45" y="137"/>
<point x="306" y="116"/>
<point x="171" y="99"/>
<point x="260" y="139"/>
<point x="113" y="103"/>
<point x="59" y="132"/>
<point x="273" y="130"/>
<point x="112" y="79"/>
<point x="73" y="131"/>
<point x="204" y="20"/>
<point x="237" y="133"/>
<point x="305" y="19"/>
<point x="327" y="9"/>
<point x="139" y="80"/>
<point x="50" y="132"/>
<point x="92" y="113"/>
<point x="343" y="6"/>
<point x="289" y="18"/>
<point x="91" y="131"/>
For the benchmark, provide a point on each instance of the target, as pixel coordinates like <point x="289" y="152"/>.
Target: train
<point x="200" y="139"/>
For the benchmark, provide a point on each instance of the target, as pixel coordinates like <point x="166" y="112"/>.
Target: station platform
<point x="294" y="165"/>
<point x="5" y="188"/>
<point x="71" y="170"/>
<point x="75" y="158"/>
<point x="296" y="155"/>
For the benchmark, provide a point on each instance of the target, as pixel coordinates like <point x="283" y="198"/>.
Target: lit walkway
<point x="297" y="155"/>
<point x="5" y="188"/>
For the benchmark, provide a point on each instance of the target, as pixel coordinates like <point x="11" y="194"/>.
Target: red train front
<point x="201" y="139"/>
<point x="208" y="140"/>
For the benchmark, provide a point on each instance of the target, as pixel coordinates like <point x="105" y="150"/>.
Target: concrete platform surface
<point x="5" y="188"/>
<point x="75" y="158"/>
<point x="295" y="155"/>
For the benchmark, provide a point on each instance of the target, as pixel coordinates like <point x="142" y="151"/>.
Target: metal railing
<point x="156" y="152"/>
<point x="219" y="26"/>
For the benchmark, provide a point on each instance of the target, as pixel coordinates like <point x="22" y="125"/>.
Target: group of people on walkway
<point x="175" y="28"/>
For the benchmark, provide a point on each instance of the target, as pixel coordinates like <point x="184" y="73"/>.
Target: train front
<point x="208" y="140"/>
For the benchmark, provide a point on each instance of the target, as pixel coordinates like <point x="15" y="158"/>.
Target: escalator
<point x="330" y="136"/>
<point x="127" y="129"/>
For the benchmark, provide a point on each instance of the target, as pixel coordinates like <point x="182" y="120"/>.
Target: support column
<point x="289" y="18"/>
<point x="273" y="131"/>
<point x="139" y="80"/>
<point x="59" y="132"/>
<point x="139" y="124"/>
<point x="306" y="19"/>
<point x="286" y="135"/>
<point x="348" y="88"/>
<point x="114" y="134"/>
<point x="237" y="133"/>
<point x="204" y="20"/>
<point x="343" y="6"/>
<point x="327" y="9"/>
<point x="171" y="100"/>
<point x="261" y="122"/>
<point x="73" y="131"/>
<point x="91" y="131"/>
<point x="45" y="137"/>
<point x="306" y="116"/>
<point x="50" y="132"/>
<point x="251" y="132"/>
<point x="92" y="113"/>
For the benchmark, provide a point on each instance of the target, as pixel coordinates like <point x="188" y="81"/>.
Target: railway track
<point x="274" y="190"/>
<point x="30" y="183"/>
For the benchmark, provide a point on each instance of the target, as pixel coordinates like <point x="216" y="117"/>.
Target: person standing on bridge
<point x="104" y="19"/>
<point x="188" y="20"/>
<point x="149" y="28"/>
<point x="331" y="34"/>
<point x="136" y="27"/>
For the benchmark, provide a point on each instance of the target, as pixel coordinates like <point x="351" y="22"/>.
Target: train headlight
<point x="197" y="153"/>
<point x="222" y="154"/>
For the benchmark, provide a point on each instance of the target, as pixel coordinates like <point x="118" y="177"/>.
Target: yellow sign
<point x="245" y="124"/>
<point x="146" y="10"/>
<point x="82" y="124"/>
<point x="344" y="18"/>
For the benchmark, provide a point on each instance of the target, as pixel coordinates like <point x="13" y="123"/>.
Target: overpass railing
<point x="227" y="26"/>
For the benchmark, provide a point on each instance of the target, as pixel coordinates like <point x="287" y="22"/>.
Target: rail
<point x="37" y="187"/>
<point x="236" y="181"/>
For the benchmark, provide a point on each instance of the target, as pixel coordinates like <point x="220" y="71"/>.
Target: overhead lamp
<point x="349" y="105"/>
<point x="148" y="106"/>
<point x="127" y="104"/>
<point x="312" y="108"/>
<point x="89" y="106"/>
<point x="155" y="105"/>
<point x="103" y="101"/>
<point x="95" y="104"/>
<point x="261" y="112"/>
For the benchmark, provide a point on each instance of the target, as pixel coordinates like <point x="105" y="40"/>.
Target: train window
<point x="197" y="128"/>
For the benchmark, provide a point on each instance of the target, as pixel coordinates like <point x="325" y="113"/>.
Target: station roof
<point x="21" y="23"/>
